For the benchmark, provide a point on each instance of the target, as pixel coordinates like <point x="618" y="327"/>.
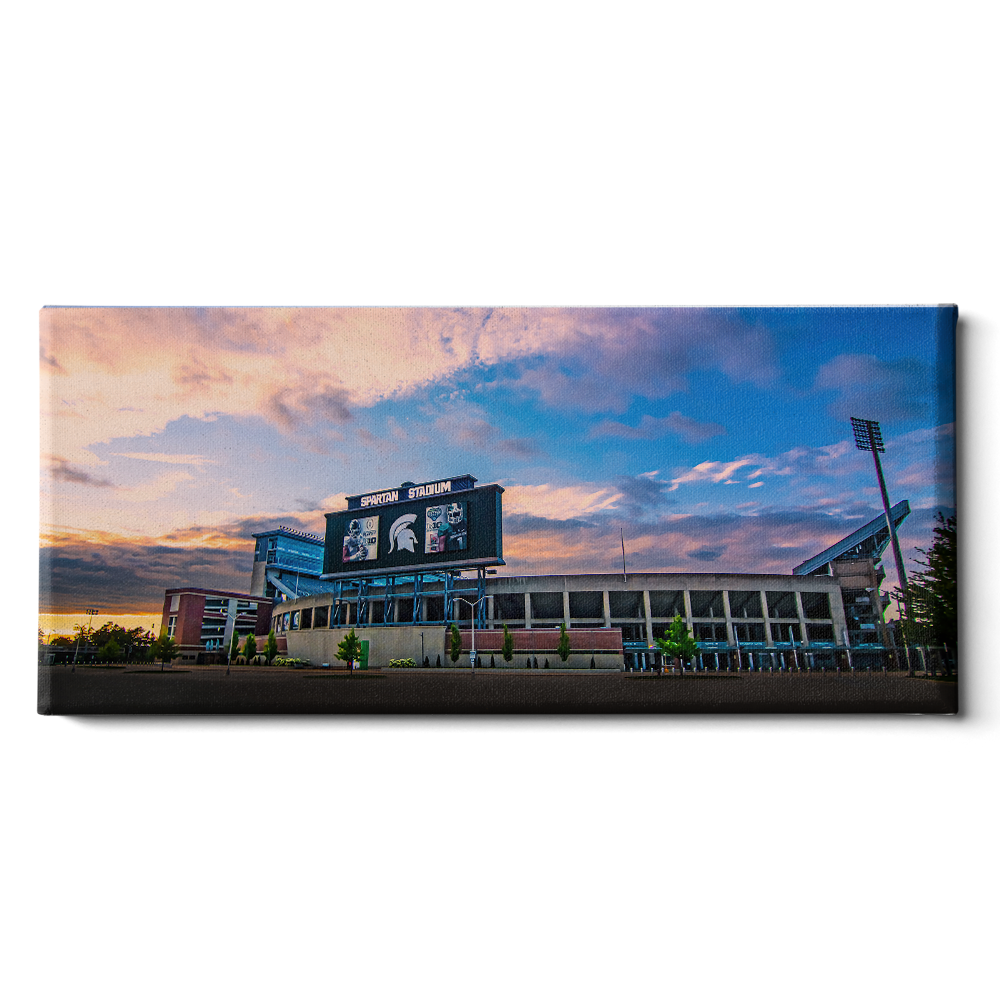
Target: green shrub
<point x="289" y="661"/>
<point x="406" y="661"/>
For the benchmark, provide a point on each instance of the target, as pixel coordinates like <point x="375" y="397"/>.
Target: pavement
<point x="282" y="691"/>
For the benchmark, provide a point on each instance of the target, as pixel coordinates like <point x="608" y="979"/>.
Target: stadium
<point x="400" y="565"/>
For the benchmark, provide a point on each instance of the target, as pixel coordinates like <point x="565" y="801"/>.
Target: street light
<point x="91" y="612"/>
<point x="234" y="615"/>
<point x="472" y="618"/>
<point x="868" y="437"/>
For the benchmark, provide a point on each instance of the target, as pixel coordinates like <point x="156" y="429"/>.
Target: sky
<point x="718" y="440"/>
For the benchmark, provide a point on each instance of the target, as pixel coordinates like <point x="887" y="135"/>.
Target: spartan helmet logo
<point x="401" y="534"/>
<point x="454" y="513"/>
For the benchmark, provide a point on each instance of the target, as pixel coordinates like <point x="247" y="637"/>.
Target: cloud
<point x="119" y="576"/>
<point x="867" y="386"/>
<point x="61" y="471"/>
<point x="130" y="372"/>
<point x="467" y="427"/>
<point x="638" y="496"/>
<point x="714" y="472"/>
<point x="655" y="427"/>
<point x="293" y="407"/>
<point x="169" y="459"/>
<point x="705" y="554"/>
<point x="602" y="358"/>
<point x="554" y="502"/>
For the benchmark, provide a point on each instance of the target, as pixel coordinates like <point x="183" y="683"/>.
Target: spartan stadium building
<point x="400" y="565"/>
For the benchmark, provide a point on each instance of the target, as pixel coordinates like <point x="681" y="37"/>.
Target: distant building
<point x="287" y="563"/>
<point x="203" y="621"/>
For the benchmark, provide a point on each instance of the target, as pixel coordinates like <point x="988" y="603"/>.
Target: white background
<point x="542" y="153"/>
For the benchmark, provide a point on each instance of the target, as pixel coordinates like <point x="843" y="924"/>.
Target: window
<point x="171" y="626"/>
<point x="626" y="604"/>
<point x="175" y="602"/>
<point x="815" y="605"/>
<point x="307" y="618"/>
<point x="707" y="604"/>
<point x="666" y="603"/>
<point x="822" y="634"/>
<point x="710" y="632"/>
<point x="547" y="605"/>
<point x="749" y="632"/>
<point x="745" y="604"/>
<point x="781" y="604"/>
<point x="631" y="631"/>
<point x="508" y="607"/>
<point x="586" y="604"/>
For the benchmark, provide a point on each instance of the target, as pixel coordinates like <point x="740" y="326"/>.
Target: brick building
<point x="202" y="622"/>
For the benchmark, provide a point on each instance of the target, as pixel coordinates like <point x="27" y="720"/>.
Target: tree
<point x="234" y="646"/>
<point x="128" y="640"/>
<point x="270" y="647"/>
<point x="508" y="645"/>
<point x="250" y="648"/>
<point x="456" y="644"/>
<point x="563" y="648"/>
<point x="678" y="643"/>
<point x="110" y="651"/>
<point x="933" y="609"/>
<point x="349" y="649"/>
<point x="164" y="649"/>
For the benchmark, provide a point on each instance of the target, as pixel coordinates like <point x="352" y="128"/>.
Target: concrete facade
<point x="319" y="646"/>
<point x="724" y="612"/>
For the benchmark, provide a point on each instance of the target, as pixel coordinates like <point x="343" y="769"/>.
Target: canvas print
<point x="405" y="510"/>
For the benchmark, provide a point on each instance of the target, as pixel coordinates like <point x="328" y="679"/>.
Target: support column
<point x="648" y="614"/>
<point x="803" y="631"/>
<point x="730" y="634"/>
<point x="527" y="609"/>
<point x="566" y="607"/>
<point x="768" y="638"/>
<point x="606" y="608"/>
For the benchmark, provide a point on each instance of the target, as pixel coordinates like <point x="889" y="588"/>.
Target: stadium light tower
<point x="868" y="437"/>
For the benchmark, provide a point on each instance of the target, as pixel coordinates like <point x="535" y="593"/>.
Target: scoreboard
<point x="416" y="527"/>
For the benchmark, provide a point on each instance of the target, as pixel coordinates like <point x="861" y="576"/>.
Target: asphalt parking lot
<point x="255" y="691"/>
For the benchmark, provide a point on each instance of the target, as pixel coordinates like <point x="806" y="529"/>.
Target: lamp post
<point x="90" y="621"/>
<point x="868" y="437"/>
<point x="229" y="660"/>
<point x="472" y="619"/>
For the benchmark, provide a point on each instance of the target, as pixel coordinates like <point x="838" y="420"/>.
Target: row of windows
<point x="663" y="604"/>
<point x="629" y="604"/>
<point x="745" y="632"/>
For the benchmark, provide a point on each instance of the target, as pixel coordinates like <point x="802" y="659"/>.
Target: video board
<point x="416" y="527"/>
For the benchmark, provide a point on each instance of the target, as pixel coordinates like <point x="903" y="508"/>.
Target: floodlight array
<point x="867" y="434"/>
